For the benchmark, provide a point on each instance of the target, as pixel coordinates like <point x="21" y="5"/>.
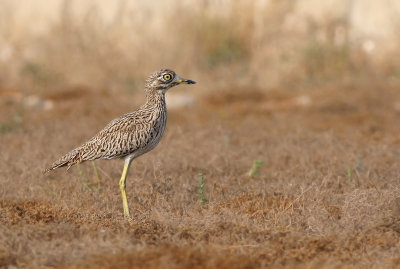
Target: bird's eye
<point x="167" y="77"/>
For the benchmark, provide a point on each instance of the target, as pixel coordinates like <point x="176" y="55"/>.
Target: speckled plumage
<point x="132" y="134"/>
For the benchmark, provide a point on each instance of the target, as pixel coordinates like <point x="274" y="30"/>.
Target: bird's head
<point x="164" y="79"/>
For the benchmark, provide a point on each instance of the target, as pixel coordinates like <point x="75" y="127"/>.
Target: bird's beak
<point x="185" y="81"/>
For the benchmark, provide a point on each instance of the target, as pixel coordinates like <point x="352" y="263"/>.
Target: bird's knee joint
<point x="122" y="185"/>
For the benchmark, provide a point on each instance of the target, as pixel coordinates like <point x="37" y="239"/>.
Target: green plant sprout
<point x="84" y="179"/>
<point x="201" y="196"/>
<point x="255" y="169"/>
<point x="350" y="173"/>
<point x="99" y="179"/>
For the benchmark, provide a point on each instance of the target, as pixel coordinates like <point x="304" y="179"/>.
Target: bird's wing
<point x="120" y="137"/>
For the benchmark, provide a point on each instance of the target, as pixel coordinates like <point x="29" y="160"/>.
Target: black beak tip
<point x="191" y="81"/>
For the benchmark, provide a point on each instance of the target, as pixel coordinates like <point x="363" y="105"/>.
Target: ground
<point x="305" y="178"/>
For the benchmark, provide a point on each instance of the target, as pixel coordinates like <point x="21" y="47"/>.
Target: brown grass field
<point x="326" y="196"/>
<point x="288" y="157"/>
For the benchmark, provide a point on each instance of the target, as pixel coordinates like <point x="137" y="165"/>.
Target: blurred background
<point x="50" y="45"/>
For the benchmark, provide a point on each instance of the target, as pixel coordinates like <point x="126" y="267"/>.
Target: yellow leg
<point x="122" y="185"/>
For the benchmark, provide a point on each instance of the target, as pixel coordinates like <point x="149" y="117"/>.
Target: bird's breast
<point x="156" y="130"/>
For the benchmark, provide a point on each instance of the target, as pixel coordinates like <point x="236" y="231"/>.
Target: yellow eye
<point x="167" y="77"/>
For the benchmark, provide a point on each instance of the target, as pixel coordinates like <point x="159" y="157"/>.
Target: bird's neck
<point x="155" y="98"/>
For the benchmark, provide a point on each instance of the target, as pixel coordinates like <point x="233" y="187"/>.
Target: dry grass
<point x="326" y="195"/>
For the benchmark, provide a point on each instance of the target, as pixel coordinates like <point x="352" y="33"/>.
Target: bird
<point x="132" y="134"/>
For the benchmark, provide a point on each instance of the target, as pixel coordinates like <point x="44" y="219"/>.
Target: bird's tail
<point x="68" y="160"/>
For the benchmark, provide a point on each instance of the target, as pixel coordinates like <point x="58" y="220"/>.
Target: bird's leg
<point x="122" y="185"/>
